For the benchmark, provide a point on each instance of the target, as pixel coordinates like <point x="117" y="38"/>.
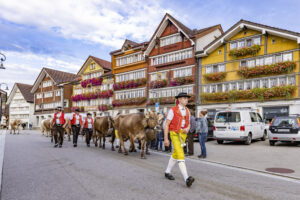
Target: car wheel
<point x="264" y="136"/>
<point x="220" y="141"/>
<point x="272" y="143"/>
<point x="249" y="139"/>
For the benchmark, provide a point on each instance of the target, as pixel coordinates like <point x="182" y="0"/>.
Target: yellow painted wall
<point x="214" y="56"/>
<point x="88" y="70"/>
<point x="249" y="32"/>
<point x="281" y="44"/>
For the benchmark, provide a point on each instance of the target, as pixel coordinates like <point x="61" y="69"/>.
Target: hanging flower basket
<point x="216" y="76"/>
<point x="245" y="51"/>
<point x="277" y="68"/>
<point x="182" y="81"/>
<point x="285" y="91"/>
<point x="130" y="84"/>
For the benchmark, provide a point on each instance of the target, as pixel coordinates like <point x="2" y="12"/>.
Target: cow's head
<point x="154" y="120"/>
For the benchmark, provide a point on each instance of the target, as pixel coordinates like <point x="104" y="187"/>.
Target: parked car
<point x="284" y="128"/>
<point x="210" y="135"/>
<point x="239" y="125"/>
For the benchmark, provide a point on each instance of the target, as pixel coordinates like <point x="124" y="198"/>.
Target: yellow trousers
<point x="177" y="140"/>
<point x="116" y="134"/>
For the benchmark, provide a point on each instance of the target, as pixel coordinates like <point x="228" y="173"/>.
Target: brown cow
<point x="14" y="125"/>
<point x="45" y="127"/>
<point x="101" y="127"/>
<point x="133" y="126"/>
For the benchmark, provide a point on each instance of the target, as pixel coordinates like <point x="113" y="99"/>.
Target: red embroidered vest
<point x="73" y="121"/>
<point x="86" y="122"/>
<point x="175" y="124"/>
<point x="61" y="118"/>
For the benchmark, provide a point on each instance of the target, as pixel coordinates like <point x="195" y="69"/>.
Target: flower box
<point x="127" y="102"/>
<point x="166" y="100"/>
<point x="216" y="76"/>
<point x="256" y="93"/>
<point x="158" y="84"/>
<point x="105" y="94"/>
<point x="277" y="68"/>
<point x="81" y="109"/>
<point x="253" y="50"/>
<point x="130" y="84"/>
<point x="182" y="81"/>
<point x="91" y="82"/>
<point x="104" y="107"/>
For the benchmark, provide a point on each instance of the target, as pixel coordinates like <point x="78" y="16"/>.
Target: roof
<point x="107" y="74"/>
<point x="106" y="65"/>
<point x="252" y="25"/>
<point x="132" y="45"/>
<point x="25" y="90"/>
<point x="56" y="75"/>
<point x="189" y="33"/>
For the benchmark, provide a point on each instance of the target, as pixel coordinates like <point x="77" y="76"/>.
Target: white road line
<point x="242" y="169"/>
<point x="2" y="144"/>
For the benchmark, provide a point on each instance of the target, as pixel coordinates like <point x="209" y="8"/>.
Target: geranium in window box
<point x="105" y="94"/>
<point x="166" y="100"/>
<point x="104" y="107"/>
<point x="130" y="84"/>
<point x="158" y="84"/>
<point x="182" y="81"/>
<point x="127" y="102"/>
<point x="253" y="50"/>
<point x="216" y="76"/>
<point x="277" y="68"/>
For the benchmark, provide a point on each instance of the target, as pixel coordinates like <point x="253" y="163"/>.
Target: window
<point x="57" y="93"/>
<point x="170" y="40"/>
<point x="253" y="117"/>
<point x="92" y="66"/>
<point x="47" y="83"/>
<point x="213" y="88"/>
<point x="226" y="87"/>
<point x="225" y="117"/>
<point x="241" y="85"/>
<point x="233" y="86"/>
<point x="39" y="96"/>
<point x="48" y="94"/>
<point x="220" y="52"/>
<point x="183" y="72"/>
<point x="269" y="60"/>
<point x="248" y="85"/>
<point x="292" y="80"/>
<point x="219" y="87"/>
<point x="256" y="41"/>
<point x="278" y="58"/>
<point x="241" y="44"/>
<point x="251" y="63"/>
<point x="129" y="59"/>
<point x="221" y="68"/>
<point x="208" y="69"/>
<point x="259" y="61"/>
<point x="247" y="42"/>
<point x="282" y="81"/>
<point x="256" y="83"/>
<point x="233" y="45"/>
<point x="273" y="82"/>
<point x="265" y="83"/>
<point x="170" y="57"/>
<point x="287" y="57"/>
<point x="243" y="63"/>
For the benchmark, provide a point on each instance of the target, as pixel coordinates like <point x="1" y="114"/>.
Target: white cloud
<point x="26" y="66"/>
<point x="106" y="22"/>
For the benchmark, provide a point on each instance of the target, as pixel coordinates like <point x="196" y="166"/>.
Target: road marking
<point x="2" y="144"/>
<point x="242" y="169"/>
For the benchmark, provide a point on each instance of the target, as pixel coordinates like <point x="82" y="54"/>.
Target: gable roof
<point x="106" y="65"/>
<point x="57" y="76"/>
<point x="132" y="44"/>
<point x="237" y="27"/>
<point x="189" y="33"/>
<point x="25" y="90"/>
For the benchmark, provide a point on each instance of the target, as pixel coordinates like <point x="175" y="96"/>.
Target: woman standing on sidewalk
<point x="202" y="130"/>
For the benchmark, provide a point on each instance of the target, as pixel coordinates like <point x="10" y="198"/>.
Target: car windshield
<point x="287" y="122"/>
<point x="228" y="117"/>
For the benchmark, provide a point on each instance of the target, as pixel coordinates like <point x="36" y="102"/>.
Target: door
<point x="261" y="125"/>
<point x="254" y="125"/>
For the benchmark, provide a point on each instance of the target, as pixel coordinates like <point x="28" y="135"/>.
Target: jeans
<point x="159" y="140"/>
<point x="202" y="139"/>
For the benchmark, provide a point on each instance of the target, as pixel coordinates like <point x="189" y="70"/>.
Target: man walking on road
<point x="88" y="128"/>
<point x="178" y="121"/>
<point x="58" y="125"/>
<point x="76" y="123"/>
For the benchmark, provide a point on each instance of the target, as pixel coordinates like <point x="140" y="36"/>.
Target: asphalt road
<point x="34" y="170"/>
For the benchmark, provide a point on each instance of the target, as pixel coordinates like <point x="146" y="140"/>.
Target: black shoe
<point x="88" y="145"/>
<point x="169" y="176"/>
<point x="200" y="156"/>
<point x="117" y="146"/>
<point x="189" y="181"/>
<point x="60" y="146"/>
<point x="75" y="145"/>
<point x="56" y="145"/>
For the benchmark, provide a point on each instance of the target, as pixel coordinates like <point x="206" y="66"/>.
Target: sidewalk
<point x="258" y="156"/>
<point x="2" y="143"/>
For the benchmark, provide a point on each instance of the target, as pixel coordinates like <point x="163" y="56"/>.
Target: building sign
<point x="270" y="112"/>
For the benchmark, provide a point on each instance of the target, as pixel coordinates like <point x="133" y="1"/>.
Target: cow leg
<point x="122" y="144"/>
<point x="143" y="145"/>
<point x="139" y="145"/>
<point x="69" y="135"/>
<point x="132" y="147"/>
<point x="147" y="148"/>
<point x="100" y="139"/>
<point x="113" y="136"/>
<point x="103" y="147"/>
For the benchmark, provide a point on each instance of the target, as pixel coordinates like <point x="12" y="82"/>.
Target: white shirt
<point x="57" y="118"/>
<point x="182" y="109"/>
<point x="89" y="121"/>
<point x="77" y="119"/>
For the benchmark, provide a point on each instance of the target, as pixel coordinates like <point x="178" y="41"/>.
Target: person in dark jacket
<point x="189" y="150"/>
<point x="202" y="130"/>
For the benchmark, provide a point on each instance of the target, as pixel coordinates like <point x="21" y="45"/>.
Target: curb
<point x="297" y="179"/>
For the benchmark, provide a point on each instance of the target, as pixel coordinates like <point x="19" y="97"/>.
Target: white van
<point x="239" y="125"/>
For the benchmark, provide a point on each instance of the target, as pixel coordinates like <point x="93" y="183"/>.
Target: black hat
<point x="182" y="94"/>
<point x="58" y="108"/>
<point x="88" y="114"/>
<point x="77" y="110"/>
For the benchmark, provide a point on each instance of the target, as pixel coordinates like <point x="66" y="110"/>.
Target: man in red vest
<point x="58" y="125"/>
<point x="76" y="123"/>
<point x="178" y="123"/>
<point x="88" y="128"/>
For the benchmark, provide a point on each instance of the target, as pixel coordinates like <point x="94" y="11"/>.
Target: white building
<point x="20" y="103"/>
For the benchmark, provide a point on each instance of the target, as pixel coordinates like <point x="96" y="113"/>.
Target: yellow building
<point x="251" y="66"/>
<point x="94" y="91"/>
<point x="130" y="73"/>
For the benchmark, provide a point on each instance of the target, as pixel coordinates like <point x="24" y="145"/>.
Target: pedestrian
<point x="190" y="135"/>
<point x="76" y="123"/>
<point x="178" y="122"/>
<point x="202" y="130"/>
<point x="58" y="124"/>
<point x="159" y="139"/>
<point x="88" y="128"/>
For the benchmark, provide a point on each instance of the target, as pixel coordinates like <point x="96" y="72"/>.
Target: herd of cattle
<point x="136" y="126"/>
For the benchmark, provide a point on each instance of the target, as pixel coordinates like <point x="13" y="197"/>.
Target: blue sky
<point x="61" y="34"/>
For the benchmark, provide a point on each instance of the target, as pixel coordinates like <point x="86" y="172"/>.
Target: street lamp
<point x="2" y="60"/>
<point x="4" y="84"/>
